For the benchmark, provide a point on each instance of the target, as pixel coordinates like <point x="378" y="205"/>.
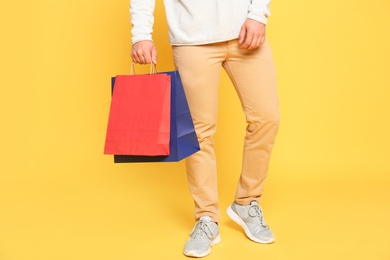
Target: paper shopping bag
<point x="183" y="139"/>
<point x="139" y="119"/>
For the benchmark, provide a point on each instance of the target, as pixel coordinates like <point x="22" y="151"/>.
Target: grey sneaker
<point x="250" y="217"/>
<point x="204" y="235"/>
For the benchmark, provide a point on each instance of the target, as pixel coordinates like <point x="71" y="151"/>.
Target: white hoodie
<point x="194" y="22"/>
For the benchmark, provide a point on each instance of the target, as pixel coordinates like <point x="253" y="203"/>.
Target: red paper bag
<point x="139" y="119"/>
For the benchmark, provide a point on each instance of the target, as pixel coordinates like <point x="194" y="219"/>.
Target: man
<point x="208" y="35"/>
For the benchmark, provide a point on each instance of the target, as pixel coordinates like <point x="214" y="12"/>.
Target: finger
<point x="242" y="35"/>
<point x="135" y="57"/>
<point x="256" y="43"/>
<point x="248" y="42"/>
<point x="142" y="57"/>
<point x="154" y="56"/>
<point x="146" y="59"/>
<point x="138" y="59"/>
<point x="244" y="42"/>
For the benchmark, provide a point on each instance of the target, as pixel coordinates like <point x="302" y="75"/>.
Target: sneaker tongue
<point x="205" y="218"/>
<point x="254" y="203"/>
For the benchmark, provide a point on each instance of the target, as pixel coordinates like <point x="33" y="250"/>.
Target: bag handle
<point x="153" y="69"/>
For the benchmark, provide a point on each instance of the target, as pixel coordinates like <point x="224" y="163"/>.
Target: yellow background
<point x="327" y="196"/>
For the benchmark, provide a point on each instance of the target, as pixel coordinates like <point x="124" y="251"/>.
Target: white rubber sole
<point x="240" y="222"/>
<point x="216" y="241"/>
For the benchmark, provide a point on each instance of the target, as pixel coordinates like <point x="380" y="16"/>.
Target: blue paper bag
<point x="183" y="140"/>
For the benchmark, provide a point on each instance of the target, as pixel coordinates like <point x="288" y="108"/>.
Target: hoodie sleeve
<point x="259" y="10"/>
<point x="141" y="16"/>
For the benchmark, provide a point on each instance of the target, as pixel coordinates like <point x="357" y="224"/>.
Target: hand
<point x="252" y="34"/>
<point x="144" y="52"/>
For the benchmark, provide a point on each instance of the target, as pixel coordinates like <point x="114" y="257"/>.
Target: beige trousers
<point x="253" y="76"/>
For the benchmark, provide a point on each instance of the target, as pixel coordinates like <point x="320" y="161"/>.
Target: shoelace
<point x="201" y="229"/>
<point x="255" y="212"/>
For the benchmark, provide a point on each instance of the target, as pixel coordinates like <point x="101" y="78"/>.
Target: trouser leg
<point x="253" y="75"/>
<point x="200" y="68"/>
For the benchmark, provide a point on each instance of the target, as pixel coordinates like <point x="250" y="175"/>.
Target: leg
<point x="253" y="75"/>
<point x="200" y="68"/>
